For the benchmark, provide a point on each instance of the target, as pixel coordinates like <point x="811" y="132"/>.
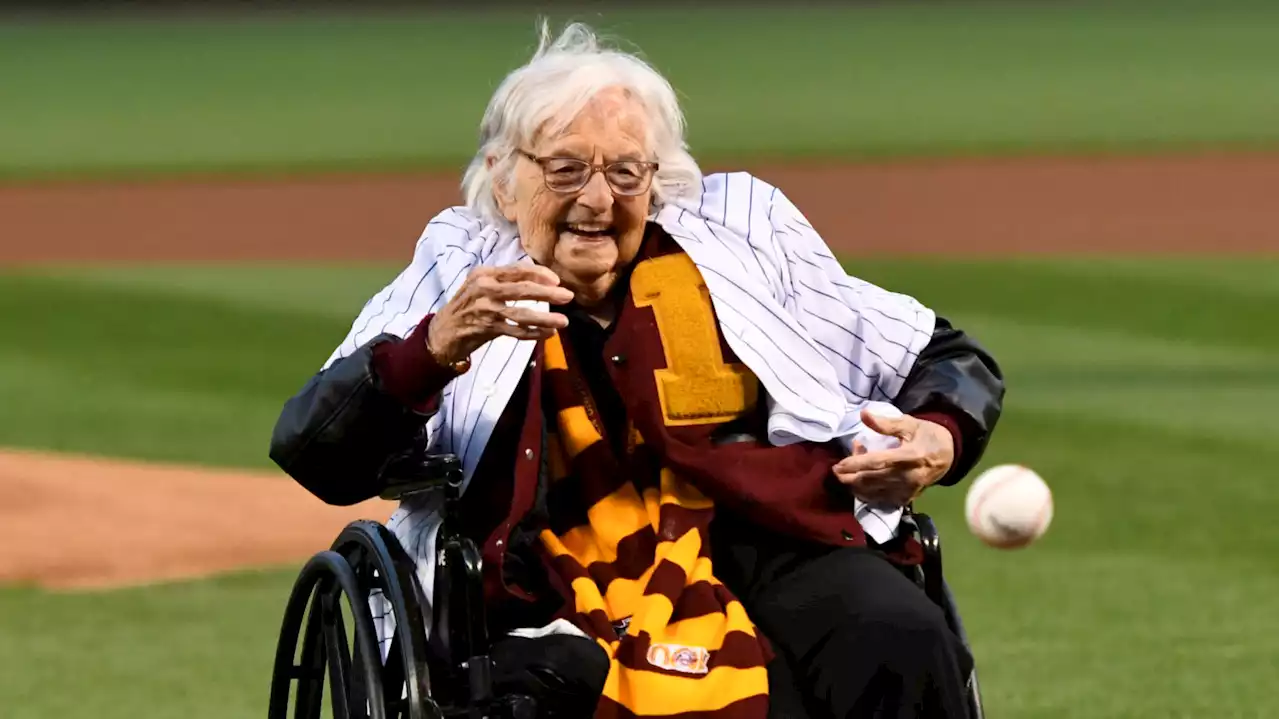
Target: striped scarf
<point x="630" y="538"/>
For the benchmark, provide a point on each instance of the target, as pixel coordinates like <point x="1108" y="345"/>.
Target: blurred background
<point x="196" y="199"/>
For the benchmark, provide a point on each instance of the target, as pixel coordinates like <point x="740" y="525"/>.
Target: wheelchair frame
<point x="446" y="676"/>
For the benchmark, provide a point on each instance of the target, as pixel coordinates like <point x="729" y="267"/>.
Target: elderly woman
<point x="687" y="433"/>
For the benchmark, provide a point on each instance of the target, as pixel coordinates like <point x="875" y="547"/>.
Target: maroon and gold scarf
<point x="630" y="538"/>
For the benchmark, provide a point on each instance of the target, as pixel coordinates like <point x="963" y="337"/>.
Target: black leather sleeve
<point x="956" y="376"/>
<point x="335" y="436"/>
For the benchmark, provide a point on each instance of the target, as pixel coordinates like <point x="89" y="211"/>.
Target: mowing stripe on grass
<point x="919" y="79"/>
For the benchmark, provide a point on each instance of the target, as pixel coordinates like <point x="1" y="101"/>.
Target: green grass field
<point x="889" y="79"/>
<point x="1143" y="390"/>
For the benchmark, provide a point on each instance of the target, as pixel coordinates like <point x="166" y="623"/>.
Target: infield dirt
<point x="137" y="523"/>
<point x="1223" y="203"/>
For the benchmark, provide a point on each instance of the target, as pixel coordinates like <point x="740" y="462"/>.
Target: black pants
<point x="854" y="637"/>
<point x="563" y="674"/>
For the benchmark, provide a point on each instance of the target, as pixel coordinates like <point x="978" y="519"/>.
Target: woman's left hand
<point x="897" y="476"/>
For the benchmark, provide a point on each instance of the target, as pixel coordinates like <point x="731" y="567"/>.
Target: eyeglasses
<point x="569" y="174"/>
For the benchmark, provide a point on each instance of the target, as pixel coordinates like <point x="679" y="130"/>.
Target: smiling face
<point x="587" y="237"/>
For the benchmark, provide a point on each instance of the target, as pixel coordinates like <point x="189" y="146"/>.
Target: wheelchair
<point x="448" y="675"/>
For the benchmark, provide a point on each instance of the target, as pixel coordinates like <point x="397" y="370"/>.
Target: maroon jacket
<point x="786" y="490"/>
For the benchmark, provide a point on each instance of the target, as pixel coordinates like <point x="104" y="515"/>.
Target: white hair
<point x="546" y="95"/>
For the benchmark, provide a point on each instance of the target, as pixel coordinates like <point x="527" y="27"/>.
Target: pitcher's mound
<point x="85" y="523"/>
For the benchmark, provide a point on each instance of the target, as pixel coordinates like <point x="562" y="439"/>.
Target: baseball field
<point x="194" y="208"/>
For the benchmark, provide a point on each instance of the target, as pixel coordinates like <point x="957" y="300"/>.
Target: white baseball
<point x="1008" y="506"/>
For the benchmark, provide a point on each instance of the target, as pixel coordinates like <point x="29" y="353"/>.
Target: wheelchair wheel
<point x="367" y="568"/>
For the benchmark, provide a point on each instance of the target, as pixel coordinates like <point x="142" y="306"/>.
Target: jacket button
<point x="618" y="359"/>
<point x="528" y="454"/>
<point x="847" y="535"/>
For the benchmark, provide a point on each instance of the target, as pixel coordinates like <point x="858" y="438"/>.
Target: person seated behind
<point x="670" y="403"/>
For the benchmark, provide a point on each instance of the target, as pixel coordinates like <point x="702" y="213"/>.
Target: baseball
<point x="1008" y="506"/>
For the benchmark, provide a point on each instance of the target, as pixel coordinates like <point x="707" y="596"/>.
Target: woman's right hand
<point x="479" y="311"/>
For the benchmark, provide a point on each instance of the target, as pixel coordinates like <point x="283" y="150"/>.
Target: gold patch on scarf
<point x="679" y="658"/>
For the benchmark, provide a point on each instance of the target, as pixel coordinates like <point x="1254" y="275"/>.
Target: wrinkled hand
<point x="897" y="476"/>
<point x="479" y="311"/>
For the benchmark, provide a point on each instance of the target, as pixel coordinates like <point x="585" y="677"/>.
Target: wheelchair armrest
<point x="415" y="472"/>
<point x="460" y="636"/>
<point x="931" y="567"/>
<point x="935" y="583"/>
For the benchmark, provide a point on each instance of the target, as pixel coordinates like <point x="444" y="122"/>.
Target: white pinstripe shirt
<point x="823" y="344"/>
